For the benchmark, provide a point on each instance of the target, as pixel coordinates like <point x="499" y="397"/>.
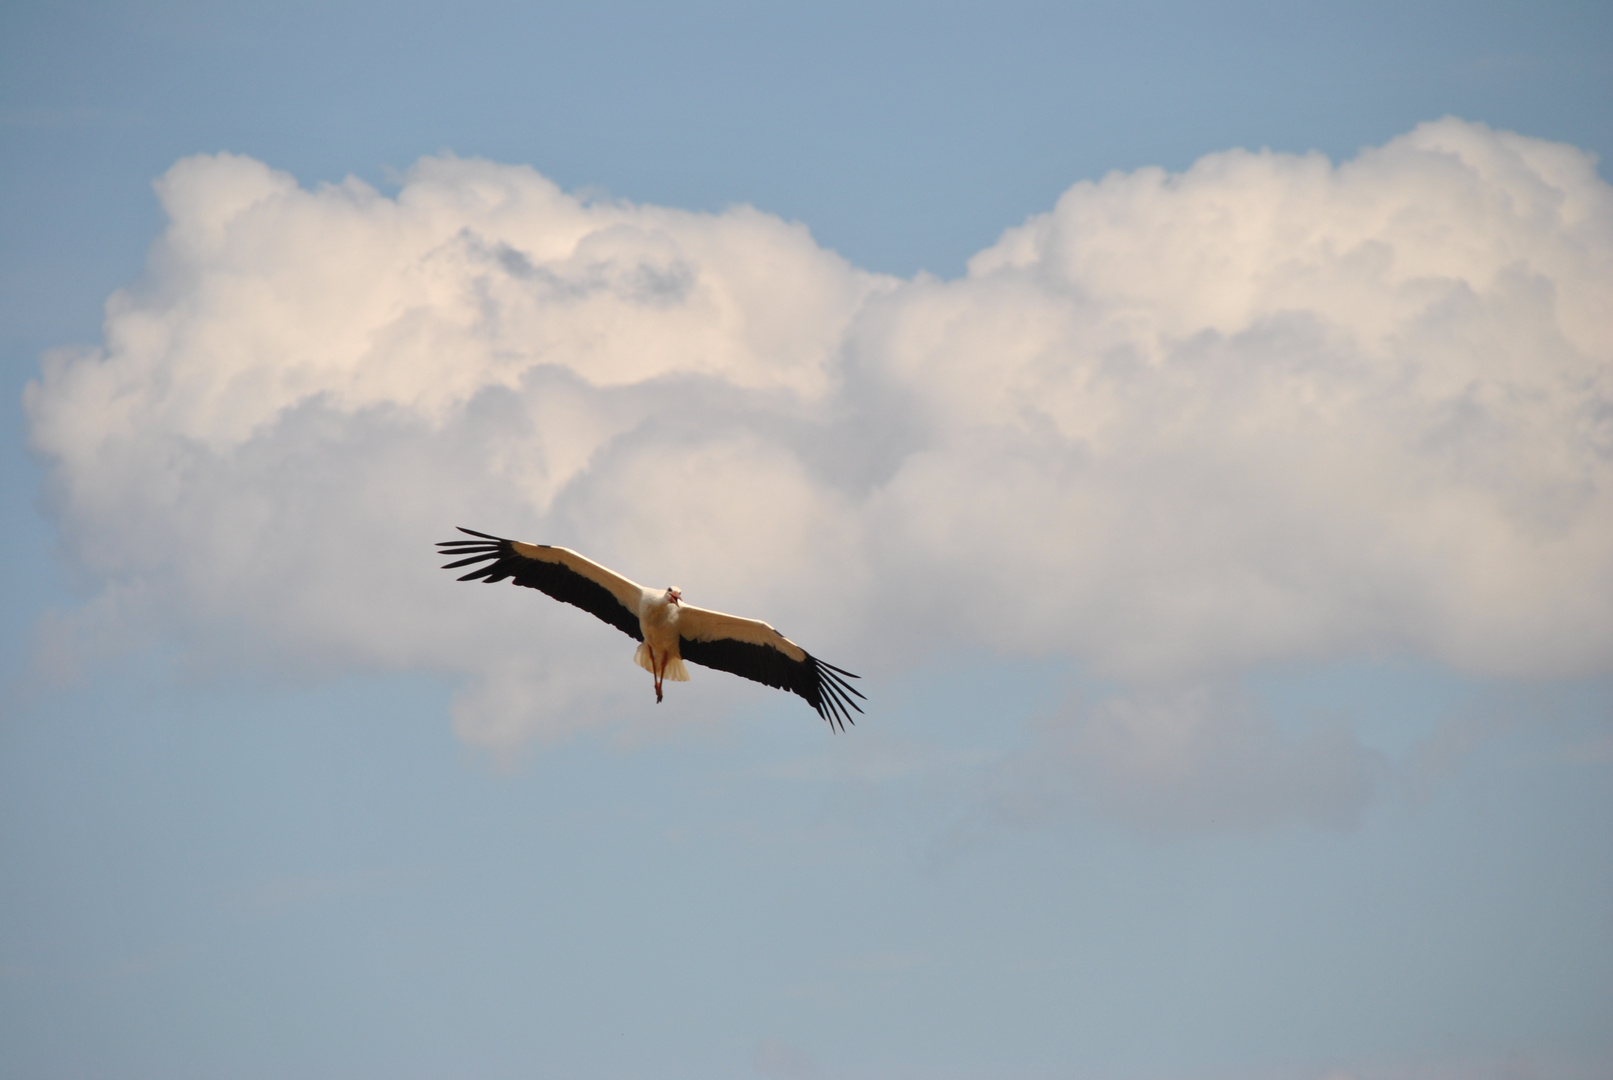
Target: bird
<point x="668" y="630"/>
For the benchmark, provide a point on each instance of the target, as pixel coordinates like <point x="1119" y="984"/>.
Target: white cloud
<point x="1270" y="407"/>
<point x="1181" y="424"/>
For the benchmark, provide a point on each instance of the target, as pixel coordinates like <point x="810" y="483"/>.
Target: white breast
<point x="658" y="619"/>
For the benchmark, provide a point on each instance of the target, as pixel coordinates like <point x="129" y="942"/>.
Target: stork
<point x="668" y="630"/>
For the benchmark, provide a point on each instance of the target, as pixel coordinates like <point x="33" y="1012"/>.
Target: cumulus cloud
<point x="1270" y="407"/>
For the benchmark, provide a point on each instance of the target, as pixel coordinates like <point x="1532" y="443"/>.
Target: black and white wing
<point x="754" y="650"/>
<point x="560" y="572"/>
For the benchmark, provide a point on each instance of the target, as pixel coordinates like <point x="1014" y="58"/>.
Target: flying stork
<point x="668" y="630"/>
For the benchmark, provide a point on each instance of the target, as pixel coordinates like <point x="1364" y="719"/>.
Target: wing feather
<point x="557" y="571"/>
<point x="754" y="650"/>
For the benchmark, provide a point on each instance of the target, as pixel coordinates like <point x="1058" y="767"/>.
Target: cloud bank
<point x="1181" y="424"/>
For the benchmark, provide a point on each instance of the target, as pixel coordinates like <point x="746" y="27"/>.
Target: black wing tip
<point x="482" y="539"/>
<point x="834" y="702"/>
<point x="488" y="548"/>
<point x="466" y="552"/>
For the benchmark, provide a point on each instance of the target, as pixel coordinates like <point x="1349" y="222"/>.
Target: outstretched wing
<point x="754" y="650"/>
<point x="558" y="571"/>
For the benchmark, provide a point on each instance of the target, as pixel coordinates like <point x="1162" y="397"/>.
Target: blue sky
<point x="1237" y="710"/>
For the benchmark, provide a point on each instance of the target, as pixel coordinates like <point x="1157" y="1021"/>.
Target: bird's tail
<point x="675" y="671"/>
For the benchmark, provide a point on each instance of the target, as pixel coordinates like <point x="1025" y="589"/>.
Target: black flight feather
<point x="819" y="683"/>
<point x="556" y="579"/>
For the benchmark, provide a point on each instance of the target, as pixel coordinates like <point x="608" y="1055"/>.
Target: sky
<point x="1194" y="425"/>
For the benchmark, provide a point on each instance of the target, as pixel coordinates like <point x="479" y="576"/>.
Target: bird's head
<point x="674" y="595"/>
